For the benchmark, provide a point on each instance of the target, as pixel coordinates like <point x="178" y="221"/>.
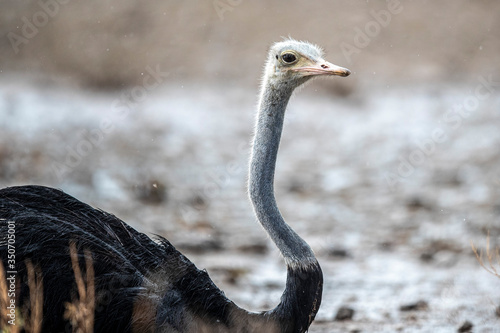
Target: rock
<point x="198" y="202"/>
<point x="338" y="253"/>
<point x="427" y="256"/>
<point x="466" y="327"/>
<point x="386" y="246"/>
<point x="416" y="203"/>
<point x="441" y="252"/>
<point x="344" y="313"/>
<point x="151" y="192"/>
<point x="296" y="186"/>
<point x="417" y="306"/>
<point x="497" y="311"/>
<point x="257" y="247"/>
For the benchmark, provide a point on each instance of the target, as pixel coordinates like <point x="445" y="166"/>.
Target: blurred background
<point x="145" y="109"/>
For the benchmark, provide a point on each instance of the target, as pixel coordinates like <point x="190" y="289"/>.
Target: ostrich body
<point x="143" y="285"/>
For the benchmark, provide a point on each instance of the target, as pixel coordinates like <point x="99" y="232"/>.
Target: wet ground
<point x="389" y="185"/>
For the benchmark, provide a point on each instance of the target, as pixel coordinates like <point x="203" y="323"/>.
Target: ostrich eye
<point x="288" y="58"/>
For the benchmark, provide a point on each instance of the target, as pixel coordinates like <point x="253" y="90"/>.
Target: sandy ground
<point x="389" y="174"/>
<point x="389" y="185"/>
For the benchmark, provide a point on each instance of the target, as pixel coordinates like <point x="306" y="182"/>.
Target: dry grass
<point x="32" y="323"/>
<point x="35" y="284"/>
<point x="492" y="263"/>
<point x="4" y="301"/>
<point x="80" y="312"/>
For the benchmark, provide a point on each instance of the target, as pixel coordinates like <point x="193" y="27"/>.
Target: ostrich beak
<point x="323" y="67"/>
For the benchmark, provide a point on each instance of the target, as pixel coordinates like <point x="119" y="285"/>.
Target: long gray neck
<point x="272" y="106"/>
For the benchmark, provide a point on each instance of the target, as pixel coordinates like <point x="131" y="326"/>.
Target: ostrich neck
<point x="272" y="106"/>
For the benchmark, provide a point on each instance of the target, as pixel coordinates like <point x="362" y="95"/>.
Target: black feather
<point x="47" y="220"/>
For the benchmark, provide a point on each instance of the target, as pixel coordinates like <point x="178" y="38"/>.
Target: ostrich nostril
<point x="324" y="66"/>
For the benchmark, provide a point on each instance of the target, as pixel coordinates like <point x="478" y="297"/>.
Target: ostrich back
<point x="140" y="285"/>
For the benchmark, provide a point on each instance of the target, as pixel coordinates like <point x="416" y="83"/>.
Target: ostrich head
<point x="292" y="62"/>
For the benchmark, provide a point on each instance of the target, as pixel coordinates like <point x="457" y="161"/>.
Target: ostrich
<point x="145" y="285"/>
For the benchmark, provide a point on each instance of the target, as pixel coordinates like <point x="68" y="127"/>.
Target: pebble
<point x="338" y="253"/>
<point x="417" y="306"/>
<point x="344" y="313"/>
<point x="466" y="327"/>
